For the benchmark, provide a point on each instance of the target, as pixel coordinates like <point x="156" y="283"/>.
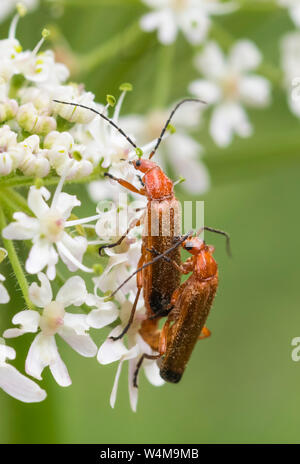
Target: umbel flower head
<point x="229" y="83"/>
<point x="31" y="139"/>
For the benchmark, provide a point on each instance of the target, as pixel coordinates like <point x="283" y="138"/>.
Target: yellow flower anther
<point x="126" y="87"/>
<point x="111" y="100"/>
<point x="21" y="9"/>
<point x="171" y="129"/>
<point x="139" y="152"/>
<point x="45" y="33"/>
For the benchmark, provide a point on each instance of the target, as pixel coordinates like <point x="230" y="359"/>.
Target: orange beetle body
<point x="162" y="225"/>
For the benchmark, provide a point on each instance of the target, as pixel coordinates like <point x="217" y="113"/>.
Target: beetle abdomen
<point x="162" y="226"/>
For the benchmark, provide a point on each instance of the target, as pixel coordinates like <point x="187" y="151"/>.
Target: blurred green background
<point x="241" y="385"/>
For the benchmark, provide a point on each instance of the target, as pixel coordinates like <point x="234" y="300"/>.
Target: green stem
<point x="16" y="200"/>
<point x="22" y="181"/>
<point x="15" y="263"/>
<point x="163" y="75"/>
<point x="108" y="50"/>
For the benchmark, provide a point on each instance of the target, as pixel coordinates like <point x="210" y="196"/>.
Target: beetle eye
<point x="138" y="163"/>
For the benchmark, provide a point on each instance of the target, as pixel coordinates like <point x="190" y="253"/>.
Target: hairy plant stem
<point x="22" y="181"/>
<point x="15" y="263"/>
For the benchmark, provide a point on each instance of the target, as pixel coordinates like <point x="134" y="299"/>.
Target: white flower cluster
<point x="31" y="139"/>
<point x="228" y="84"/>
<point x="33" y="144"/>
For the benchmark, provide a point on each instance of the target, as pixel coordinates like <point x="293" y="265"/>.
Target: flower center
<point x="52" y="318"/>
<point x="52" y="226"/>
<point x="178" y="5"/>
<point x="230" y="85"/>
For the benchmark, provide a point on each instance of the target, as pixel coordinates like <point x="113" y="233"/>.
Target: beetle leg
<point x="126" y="184"/>
<point x="139" y="288"/>
<point x="139" y="365"/>
<point x="162" y="346"/>
<point x="205" y="332"/>
<point x="135" y="223"/>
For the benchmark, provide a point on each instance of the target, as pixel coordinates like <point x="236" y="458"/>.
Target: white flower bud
<point x="6" y="164"/>
<point x="44" y="125"/>
<point x="77" y="170"/>
<point x="58" y="139"/>
<point x="38" y="97"/>
<point x="35" y="165"/>
<point x="8" y="109"/>
<point x="74" y="113"/>
<point x="27" y="116"/>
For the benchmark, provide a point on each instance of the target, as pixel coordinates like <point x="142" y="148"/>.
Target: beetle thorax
<point x="158" y="185"/>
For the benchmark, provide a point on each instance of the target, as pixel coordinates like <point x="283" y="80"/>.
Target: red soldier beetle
<point x="188" y="311"/>
<point x="164" y="216"/>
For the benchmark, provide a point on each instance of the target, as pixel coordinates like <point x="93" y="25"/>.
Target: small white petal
<point x="36" y="201"/>
<point x="228" y="119"/>
<point x="73" y="292"/>
<point x="114" y="391"/>
<point x="194" y="25"/>
<point x="83" y="344"/>
<point x="6" y="352"/>
<point x="43" y="352"/>
<point x="150" y="21"/>
<point x="28" y="320"/>
<point x="60" y="372"/>
<point x="295" y="14"/>
<point x="111" y="351"/>
<point x="244" y="56"/>
<point x="19" y="386"/>
<point x="65" y="203"/>
<point x="133" y="391"/>
<point x="105" y="314"/>
<point x="151" y="370"/>
<point x="53" y="260"/>
<point x="24" y="229"/>
<point x="39" y="256"/>
<point x="41" y="296"/>
<point x="4" y="296"/>
<point x="211" y="61"/>
<point x="38" y="356"/>
<point x="255" y="91"/>
<point x="167" y="30"/>
<point x="76" y="246"/>
<point x="205" y="90"/>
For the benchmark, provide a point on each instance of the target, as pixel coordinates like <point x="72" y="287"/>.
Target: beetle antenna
<point x="110" y="121"/>
<point x="157" y="258"/>
<point x="169" y="119"/>
<point x="221" y="232"/>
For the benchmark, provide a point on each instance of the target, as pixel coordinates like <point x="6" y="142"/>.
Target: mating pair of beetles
<point x="159" y="271"/>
